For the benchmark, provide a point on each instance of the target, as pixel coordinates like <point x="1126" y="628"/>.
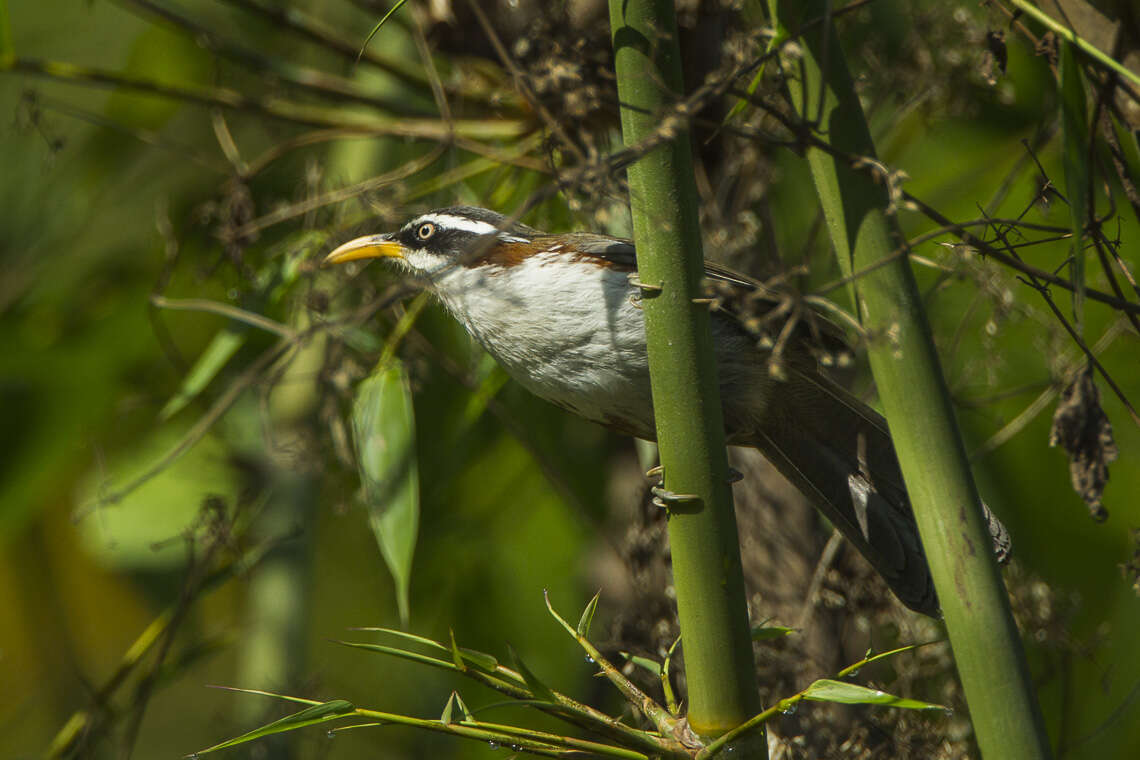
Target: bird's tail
<point x="838" y="452"/>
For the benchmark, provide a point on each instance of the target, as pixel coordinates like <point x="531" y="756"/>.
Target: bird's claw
<point x="663" y="497"/>
<point x="644" y="286"/>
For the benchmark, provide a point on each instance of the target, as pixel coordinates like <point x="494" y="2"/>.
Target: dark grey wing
<point x="737" y="296"/>
<point x="764" y="312"/>
<point x="621" y="254"/>
<point x="757" y="308"/>
<point x="720" y="273"/>
<point x="609" y="251"/>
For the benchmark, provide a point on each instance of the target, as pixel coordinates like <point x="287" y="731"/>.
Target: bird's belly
<point x="598" y="371"/>
<point x="586" y="353"/>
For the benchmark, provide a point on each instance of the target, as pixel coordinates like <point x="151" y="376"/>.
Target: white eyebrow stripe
<point x="457" y="223"/>
<point x="473" y="226"/>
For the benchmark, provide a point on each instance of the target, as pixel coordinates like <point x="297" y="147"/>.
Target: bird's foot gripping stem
<point x="664" y="498"/>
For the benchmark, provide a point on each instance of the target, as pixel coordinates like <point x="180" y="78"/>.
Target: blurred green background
<point x="109" y="196"/>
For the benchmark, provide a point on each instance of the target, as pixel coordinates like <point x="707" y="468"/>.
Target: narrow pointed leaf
<point x="1074" y="118"/>
<point x="652" y="666"/>
<point x="270" y="694"/>
<point x="1130" y="149"/>
<point x="456" y="657"/>
<point x="538" y="688"/>
<point x="465" y="657"/>
<point x="216" y="356"/>
<point x="383" y="425"/>
<point x="445" y="718"/>
<point x="826" y="690"/>
<point x="502" y="679"/>
<point x="742" y="103"/>
<point x="587" y="618"/>
<point x="380" y="23"/>
<point x="467" y="716"/>
<point x="768" y="632"/>
<point x="406" y="635"/>
<point x="401" y="653"/>
<point x="321" y="713"/>
<point x="481" y="660"/>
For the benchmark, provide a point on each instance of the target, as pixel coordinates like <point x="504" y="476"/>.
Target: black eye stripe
<point x="443" y="240"/>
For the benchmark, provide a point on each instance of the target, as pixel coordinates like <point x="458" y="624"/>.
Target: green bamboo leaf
<point x="768" y="632"/>
<point x="383" y="425"/>
<point x="652" y="666"/>
<point x="540" y="690"/>
<point x="481" y="660"/>
<point x="456" y="657"/>
<point x="216" y="356"/>
<point x="321" y="713"/>
<point x="501" y="679"/>
<point x="274" y="283"/>
<point x="827" y="690"/>
<point x="464" y="658"/>
<point x="773" y="42"/>
<point x="463" y="707"/>
<point x="1074" y="119"/>
<point x="376" y="28"/>
<point x="455" y="701"/>
<point x="587" y="618"/>
<point x="406" y="635"/>
<point x="1128" y="146"/>
<point x="423" y="659"/>
<point x="445" y="718"/>
<point x="271" y="695"/>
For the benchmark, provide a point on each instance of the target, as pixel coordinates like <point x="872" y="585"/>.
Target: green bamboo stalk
<point x="856" y="203"/>
<point x="279" y="604"/>
<point x="686" y="399"/>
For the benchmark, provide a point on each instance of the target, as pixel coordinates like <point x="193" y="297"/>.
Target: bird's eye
<point x="425" y="230"/>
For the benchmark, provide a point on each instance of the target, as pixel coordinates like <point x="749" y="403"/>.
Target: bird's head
<point x="437" y="241"/>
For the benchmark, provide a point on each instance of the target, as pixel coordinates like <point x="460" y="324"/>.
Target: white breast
<point x="567" y="331"/>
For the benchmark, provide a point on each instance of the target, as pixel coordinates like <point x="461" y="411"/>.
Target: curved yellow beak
<point x="367" y="247"/>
